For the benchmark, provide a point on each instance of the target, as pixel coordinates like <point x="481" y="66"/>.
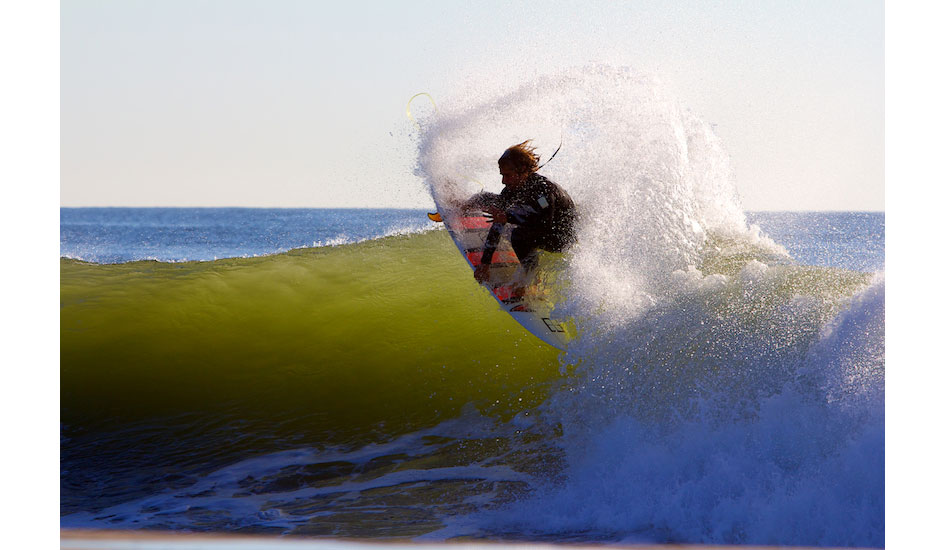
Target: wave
<point x="709" y="421"/>
<point x="726" y="412"/>
<point x="361" y="332"/>
<point x="712" y="396"/>
<point x="718" y="391"/>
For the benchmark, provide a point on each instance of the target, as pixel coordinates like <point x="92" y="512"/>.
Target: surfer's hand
<point x="481" y="273"/>
<point x="495" y="215"/>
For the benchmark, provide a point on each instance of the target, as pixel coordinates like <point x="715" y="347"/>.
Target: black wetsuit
<point x="544" y="216"/>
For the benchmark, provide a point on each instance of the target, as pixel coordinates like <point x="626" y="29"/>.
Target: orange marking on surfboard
<point x="475" y="222"/>
<point x="501" y="257"/>
<point x="508" y="292"/>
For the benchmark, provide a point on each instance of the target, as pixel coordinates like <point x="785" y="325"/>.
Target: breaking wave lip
<point x="150" y="258"/>
<point x="342" y="239"/>
<point x="652" y="421"/>
<point x="652" y="182"/>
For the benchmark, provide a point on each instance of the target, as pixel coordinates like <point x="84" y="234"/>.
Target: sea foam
<point x="718" y="391"/>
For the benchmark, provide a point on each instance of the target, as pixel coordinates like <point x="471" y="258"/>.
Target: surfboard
<point x="526" y="304"/>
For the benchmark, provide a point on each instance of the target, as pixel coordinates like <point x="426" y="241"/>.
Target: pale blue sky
<point x="281" y="103"/>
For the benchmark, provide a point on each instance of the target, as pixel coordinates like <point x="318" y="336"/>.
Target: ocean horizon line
<point x="432" y="207"/>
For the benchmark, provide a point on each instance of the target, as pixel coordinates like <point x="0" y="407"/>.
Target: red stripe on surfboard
<point x="508" y="292"/>
<point x="499" y="257"/>
<point x="475" y="222"/>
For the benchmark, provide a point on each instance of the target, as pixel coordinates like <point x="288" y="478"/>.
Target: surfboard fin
<point x="435" y="216"/>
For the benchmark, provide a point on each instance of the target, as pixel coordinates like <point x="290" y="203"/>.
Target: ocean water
<point x="116" y="235"/>
<point x="339" y="373"/>
<point x="849" y="240"/>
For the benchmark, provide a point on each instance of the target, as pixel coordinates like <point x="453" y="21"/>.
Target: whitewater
<point x="723" y="387"/>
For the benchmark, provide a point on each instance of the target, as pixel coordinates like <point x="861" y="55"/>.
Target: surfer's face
<point x="511" y="176"/>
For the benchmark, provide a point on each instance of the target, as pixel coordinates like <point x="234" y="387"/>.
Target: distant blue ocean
<point x="849" y="240"/>
<point x="116" y="235"/>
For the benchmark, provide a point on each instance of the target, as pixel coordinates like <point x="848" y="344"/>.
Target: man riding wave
<point x="541" y="211"/>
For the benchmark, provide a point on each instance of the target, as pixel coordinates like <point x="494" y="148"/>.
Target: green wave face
<point x="353" y="341"/>
<point x="375" y="390"/>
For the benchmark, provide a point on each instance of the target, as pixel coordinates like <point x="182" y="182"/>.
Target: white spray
<point x="707" y="399"/>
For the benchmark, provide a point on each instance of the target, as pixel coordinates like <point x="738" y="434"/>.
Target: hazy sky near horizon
<point x="301" y="103"/>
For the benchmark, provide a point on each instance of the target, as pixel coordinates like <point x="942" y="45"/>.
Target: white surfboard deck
<point x="469" y="230"/>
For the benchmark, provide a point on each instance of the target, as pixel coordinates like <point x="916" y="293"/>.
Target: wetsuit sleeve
<point x="522" y="214"/>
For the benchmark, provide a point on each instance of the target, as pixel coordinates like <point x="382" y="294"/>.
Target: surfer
<point x="541" y="211"/>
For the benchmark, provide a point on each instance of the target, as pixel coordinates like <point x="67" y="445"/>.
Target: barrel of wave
<point x="389" y="332"/>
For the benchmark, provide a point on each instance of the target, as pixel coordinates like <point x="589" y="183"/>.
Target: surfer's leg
<point x="525" y="246"/>
<point x="522" y="243"/>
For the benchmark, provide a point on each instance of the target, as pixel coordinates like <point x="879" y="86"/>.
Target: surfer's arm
<point x="518" y="214"/>
<point x="491" y="242"/>
<point x="521" y="214"/>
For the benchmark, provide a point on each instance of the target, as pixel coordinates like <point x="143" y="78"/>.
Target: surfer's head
<point x="517" y="163"/>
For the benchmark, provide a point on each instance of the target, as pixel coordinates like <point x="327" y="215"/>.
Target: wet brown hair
<point x="521" y="158"/>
